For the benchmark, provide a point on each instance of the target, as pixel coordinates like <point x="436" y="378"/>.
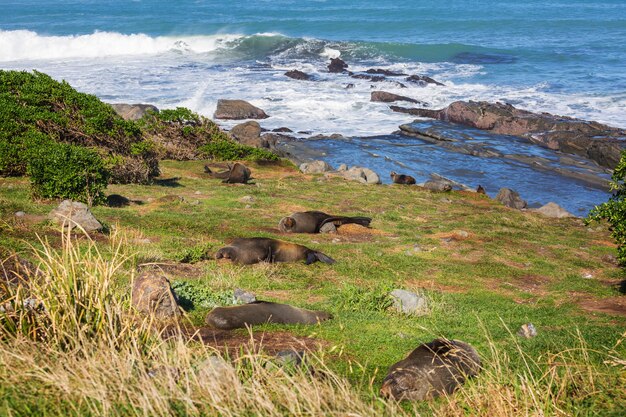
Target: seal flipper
<point x="339" y="220"/>
<point x="318" y="256"/>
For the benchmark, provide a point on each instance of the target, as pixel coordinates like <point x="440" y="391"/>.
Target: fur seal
<point x="480" y="189"/>
<point x="259" y="312"/>
<point x="238" y="173"/>
<point x="260" y="249"/>
<point x="432" y="369"/>
<point x="401" y="178"/>
<point x="312" y="221"/>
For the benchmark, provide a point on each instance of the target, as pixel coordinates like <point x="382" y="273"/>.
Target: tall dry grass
<point x="81" y="350"/>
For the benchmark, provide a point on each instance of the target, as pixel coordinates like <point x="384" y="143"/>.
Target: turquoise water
<point x="563" y="57"/>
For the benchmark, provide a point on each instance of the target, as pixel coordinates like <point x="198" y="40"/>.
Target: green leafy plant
<point x="229" y="150"/>
<point x="195" y="294"/>
<point x="614" y="210"/>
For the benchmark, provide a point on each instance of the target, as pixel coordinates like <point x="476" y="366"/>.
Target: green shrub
<point x="59" y="170"/>
<point x="195" y="294"/>
<point x="614" y="210"/>
<point x="228" y="150"/>
<point x="179" y="115"/>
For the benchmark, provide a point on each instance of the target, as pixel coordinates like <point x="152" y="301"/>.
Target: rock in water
<point x="337" y="65"/>
<point x="408" y="302"/>
<point x="72" y="214"/>
<point x="385" y="97"/>
<point x="600" y="143"/>
<point x="511" y="199"/>
<point x="554" y="210"/>
<point x="133" y="111"/>
<point x="237" y="110"/>
<point x="422" y="80"/>
<point x="152" y="294"/>
<point x="298" y="75"/>
<point x="432" y="369"/>
<point x="315" y="167"/>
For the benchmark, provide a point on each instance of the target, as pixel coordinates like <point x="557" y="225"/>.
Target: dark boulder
<point x="372" y="78"/>
<point x="237" y="110"/>
<point x="386" y="73"/>
<point x="337" y="65"/>
<point x="298" y="75"/>
<point x="385" y="97"/>
<point x="422" y="80"/>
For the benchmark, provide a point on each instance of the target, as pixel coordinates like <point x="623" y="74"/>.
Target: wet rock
<point x="597" y="142"/>
<point x="282" y="130"/>
<point x="422" y="80"/>
<point x="298" y="75"/>
<point x="73" y="214"/>
<point x="237" y="110"/>
<point x="386" y="73"/>
<point x="153" y="295"/>
<point x="554" y="210"/>
<point x="349" y="85"/>
<point x="511" y="198"/>
<point x="133" y="111"/>
<point x="408" y="302"/>
<point x="315" y="167"/>
<point x="337" y="65"/>
<point x="243" y="297"/>
<point x="372" y="78"/>
<point x="385" y="97"/>
<point x="527" y="331"/>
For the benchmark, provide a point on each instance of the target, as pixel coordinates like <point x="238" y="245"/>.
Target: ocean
<point x="563" y="57"/>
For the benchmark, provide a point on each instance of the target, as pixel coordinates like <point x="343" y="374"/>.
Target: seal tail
<point x="318" y="256"/>
<point x="338" y="221"/>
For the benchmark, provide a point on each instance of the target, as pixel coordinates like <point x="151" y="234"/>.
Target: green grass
<point x="513" y="268"/>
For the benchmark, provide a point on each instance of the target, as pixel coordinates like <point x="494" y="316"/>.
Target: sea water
<point x="563" y="57"/>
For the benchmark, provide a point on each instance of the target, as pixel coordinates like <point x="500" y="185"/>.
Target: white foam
<point x="27" y="45"/>
<point x="330" y="53"/>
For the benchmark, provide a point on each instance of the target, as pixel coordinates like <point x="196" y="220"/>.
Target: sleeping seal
<point x="402" y="179"/>
<point x="238" y="173"/>
<point x="312" y="221"/>
<point x="260" y="249"/>
<point x="432" y="369"/>
<point x="259" y="312"/>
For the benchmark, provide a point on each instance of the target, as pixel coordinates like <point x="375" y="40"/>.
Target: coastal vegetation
<point x="71" y="344"/>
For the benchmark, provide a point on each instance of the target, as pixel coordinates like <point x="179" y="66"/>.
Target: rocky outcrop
<point x="72" y="214"/>
<point x="337" y="65"/>
<point x="600" y="143"/>
<point x="237" y="110"/>
<point x="386" y="73"/>
<point x="511" y="198"/>
<point x="152" y="294"/>
<point x="133" y="111"/>
<point x="385" y="97"/>
<point x="249" y="133"/>
<point x="422" y="80"/>
<point x="299" y="75"/>
<point x="364" y="175"/>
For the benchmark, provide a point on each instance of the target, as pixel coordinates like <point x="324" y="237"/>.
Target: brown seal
<point x="260" y="312"/>
<point x="238" y="173"/>
<point x="480" y="189"/>
<point x="402" y="179"/>
<point x="312" y="221"/>
<point x="432" y="369"/>
<point x="260" y="249"/>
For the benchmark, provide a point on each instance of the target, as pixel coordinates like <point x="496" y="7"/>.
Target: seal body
<point x="237" y="173"/>
<point x="432" y="369"/>
<point x="402" y="179"/>
<point x="259" y="312"/>
<point x="259" y="249"/>
<point x="312" y="221"/>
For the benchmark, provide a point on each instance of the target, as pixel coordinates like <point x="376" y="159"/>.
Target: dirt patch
<point x="534" y="284"/>
<point x="454" y="236"/>
<point x="178" y="269"/>
<point x="612" y="305"/>
<point x="235" y="342"/>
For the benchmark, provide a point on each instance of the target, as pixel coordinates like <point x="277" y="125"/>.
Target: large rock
<point x="133" y="111"/>
<point x="315" y="167"/>
<point x="553" y="210"/>
<point x="152" y="294"/>
<point x="385" y="97"/>
<point x="511" y="198"/>
<point x="72" y="214"/>
<point x="249" y="133"/>
<point x="600" y="143"/>
<point x="364" y="175"/>
<point x="337" y="65"/>
<point x="298" y="75"/>
<point x="237" y="110"/>
<point x="422" y="80"/>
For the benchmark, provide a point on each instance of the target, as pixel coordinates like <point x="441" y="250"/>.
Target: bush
<point x="228" y="150"/>
<point x="58" y="170"/>
<point x="614" y="210"/>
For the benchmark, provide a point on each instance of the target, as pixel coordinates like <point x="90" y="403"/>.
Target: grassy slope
<point x="512" y="268"/>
